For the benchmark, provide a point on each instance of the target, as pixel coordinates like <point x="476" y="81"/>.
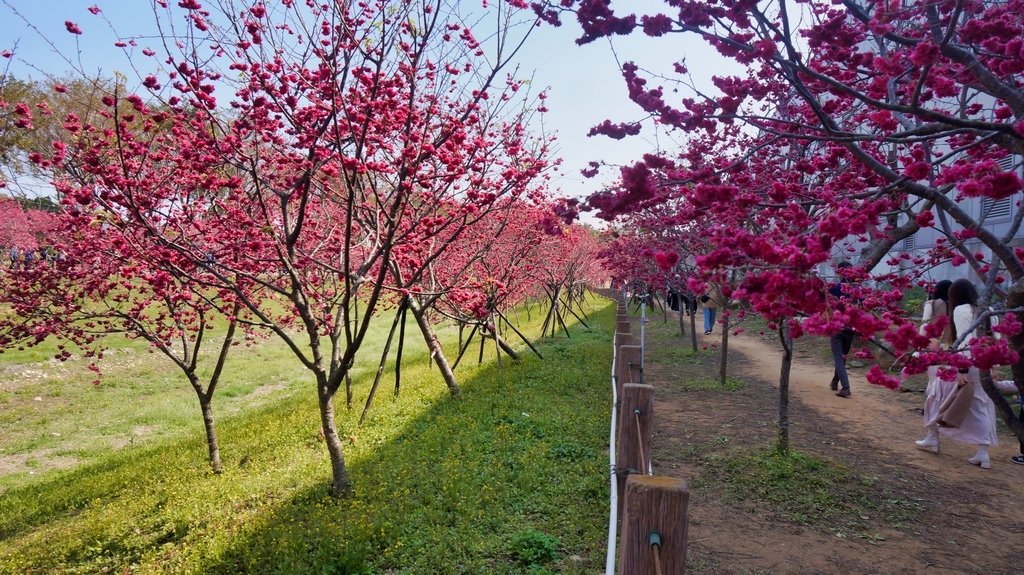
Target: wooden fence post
<point x="628" y="366"/>
<point x="655" y="511"/>
<point x="623" y="326"/>
<point x="622" y="339"/>
<point x="636" y="403"/>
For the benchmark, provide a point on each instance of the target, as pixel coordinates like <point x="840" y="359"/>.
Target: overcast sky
<point x="585" y="84"/>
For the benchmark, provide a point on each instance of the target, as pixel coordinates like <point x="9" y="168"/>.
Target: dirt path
<point x="970" y="520"/>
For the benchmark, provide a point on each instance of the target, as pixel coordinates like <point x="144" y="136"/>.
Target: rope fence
<point x="648" y="520"/>
<point x="640" y="444"/>
<point x="655" y="541"/>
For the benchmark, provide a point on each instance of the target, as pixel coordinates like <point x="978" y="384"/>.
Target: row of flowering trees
<point x="23" y="231"/>
<point x="852" y="125"/>
<point x="295" y="169"/>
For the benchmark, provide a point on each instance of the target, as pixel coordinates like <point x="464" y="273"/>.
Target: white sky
<point x="586" y="87"/>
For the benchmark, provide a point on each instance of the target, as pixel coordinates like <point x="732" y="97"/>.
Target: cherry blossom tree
<point x="100" y="278"/>
<point x="23" y="230"/>
<point x="898" y="112"/>
<point x="504" y="274"/>
<point x="293" y="145"/>
<point x="648" y="246"/>
<point x="752" y="245"/>
<point x="106" y="279"/>
<point x="566" y="265"/>
<point x="459" y="273"/>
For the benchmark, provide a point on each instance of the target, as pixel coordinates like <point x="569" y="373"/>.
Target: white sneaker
<point x="928" y="444"/>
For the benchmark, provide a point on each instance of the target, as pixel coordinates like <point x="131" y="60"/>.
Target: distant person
<point x="711" y="301"/>
<point x="938" y="389"/>
<point x="690" y="299"/>
<point x="841" y="341"/>
<point x="978" y="424"/>
<point x="673" y="300"/>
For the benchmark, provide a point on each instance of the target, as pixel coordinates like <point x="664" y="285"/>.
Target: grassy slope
<point x="443" y="486"/>
<point x="51" y="414"/>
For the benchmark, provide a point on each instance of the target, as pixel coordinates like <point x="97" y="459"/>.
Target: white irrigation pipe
<point x="613" y="515"/>
<point x="643" y="350"/>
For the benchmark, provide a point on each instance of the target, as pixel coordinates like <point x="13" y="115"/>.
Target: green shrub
<point x="532" y="548"/>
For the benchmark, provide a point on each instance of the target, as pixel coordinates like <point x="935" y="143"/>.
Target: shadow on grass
<point x="442" y="486"/>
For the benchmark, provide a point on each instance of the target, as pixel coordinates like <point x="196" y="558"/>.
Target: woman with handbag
<point x="967" y="414"/>
<point x="938" y="388"/>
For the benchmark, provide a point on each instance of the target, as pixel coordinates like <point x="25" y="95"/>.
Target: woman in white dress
<point x="938" y="388"/>
<point x="979" y="425"/>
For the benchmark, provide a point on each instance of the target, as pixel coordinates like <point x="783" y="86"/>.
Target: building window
<point x="995" y="209"/>
<point x="908" y="243"/>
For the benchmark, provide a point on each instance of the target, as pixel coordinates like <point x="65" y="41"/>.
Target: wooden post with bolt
<point x="627" y="366"/>
<point x="635" y="429"/>
<point x="654" y="526"/>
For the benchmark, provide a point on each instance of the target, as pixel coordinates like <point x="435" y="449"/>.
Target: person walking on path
<point x="841" y="341"/>
<point x="711" y="301"/>
<point x="978" y="426"/>
<point x="938" y="389"/>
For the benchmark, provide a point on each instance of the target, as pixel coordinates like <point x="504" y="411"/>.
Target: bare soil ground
<point x="959" y="518"/>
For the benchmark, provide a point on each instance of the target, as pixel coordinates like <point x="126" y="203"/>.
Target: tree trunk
<point x="462" y="350"/>
<point x="682" y="320"/>
<point x="547" y="319"/>
<point x="383" y="363"/>
<point x="582" y="299"/>
<point x="723" y="364"/>
<point x="206" y="396"/>
<point x="341" y="486"/>
<point x="497" y="341"/>
<point x="212" y="446"/>
<point x="435" y="348"/>
<point x="483" y="342"/>
<point x="505" y="347"/>
<point x="568" y="308"/>
<point x="782" y="445"/>
<point x="556" y="306"/>
<point x="522" y="337"/>
<point x="398" y="353"/>
<point x="693" y="330"/>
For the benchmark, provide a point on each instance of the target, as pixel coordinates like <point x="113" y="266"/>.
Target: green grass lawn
<point x="510" y="478"/>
